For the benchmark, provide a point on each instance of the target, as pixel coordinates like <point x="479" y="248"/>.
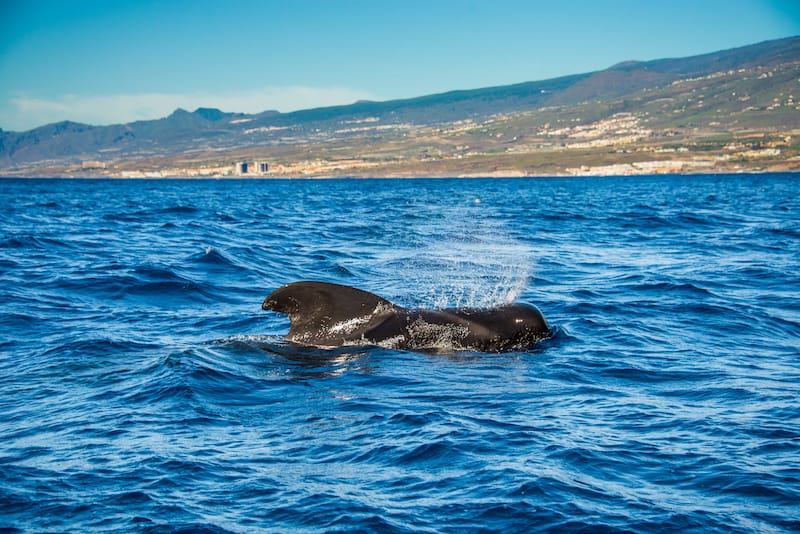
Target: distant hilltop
<point x="733" y="110"/>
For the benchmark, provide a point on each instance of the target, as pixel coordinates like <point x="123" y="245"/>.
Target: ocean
<point x="145" y="390"/>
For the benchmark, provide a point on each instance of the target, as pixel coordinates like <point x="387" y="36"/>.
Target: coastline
<point x="476" y="176"/>
<point x="606" y="147"/>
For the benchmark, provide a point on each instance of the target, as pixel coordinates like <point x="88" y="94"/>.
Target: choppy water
<point x="144" y="390"/>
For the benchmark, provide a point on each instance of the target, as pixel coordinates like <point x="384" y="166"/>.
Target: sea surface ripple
<point x="144" y="390"/>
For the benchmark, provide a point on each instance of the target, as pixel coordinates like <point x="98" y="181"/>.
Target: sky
<point x="115" y="61"/>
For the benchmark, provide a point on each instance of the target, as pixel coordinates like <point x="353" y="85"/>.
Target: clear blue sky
<point x="118" y="60"/>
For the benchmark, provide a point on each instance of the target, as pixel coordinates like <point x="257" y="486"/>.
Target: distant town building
<point x="257" y="168"/>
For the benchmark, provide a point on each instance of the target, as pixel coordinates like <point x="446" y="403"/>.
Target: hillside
<point x="726" y="111"/>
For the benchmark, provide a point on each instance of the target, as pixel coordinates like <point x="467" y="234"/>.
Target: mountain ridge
<point x="60" y="146"/>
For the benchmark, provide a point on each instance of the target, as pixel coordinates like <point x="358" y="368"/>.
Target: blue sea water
<point x="144" y="390"/>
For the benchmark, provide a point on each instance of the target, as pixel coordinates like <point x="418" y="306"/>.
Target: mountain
<point x="724" y="95"/>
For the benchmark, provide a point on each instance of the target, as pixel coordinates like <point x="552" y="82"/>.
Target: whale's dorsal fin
<point x="320" y="311"/>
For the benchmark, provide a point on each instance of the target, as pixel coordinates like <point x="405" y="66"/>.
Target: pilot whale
<point x="331" y="315"/>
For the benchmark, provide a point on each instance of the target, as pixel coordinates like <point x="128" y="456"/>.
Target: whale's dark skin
<point x="332" y="315"/>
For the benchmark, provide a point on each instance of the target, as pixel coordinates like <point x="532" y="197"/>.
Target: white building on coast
<point x="256" y="168"/>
